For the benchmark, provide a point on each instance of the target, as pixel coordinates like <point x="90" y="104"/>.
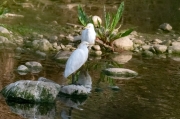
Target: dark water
<point x="153" y="94"/>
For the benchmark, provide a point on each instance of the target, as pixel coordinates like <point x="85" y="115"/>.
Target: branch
<point x="105" y="45"/>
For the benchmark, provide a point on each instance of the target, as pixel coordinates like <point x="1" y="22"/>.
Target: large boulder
<point x="31" y="91"/>
<point x="123" y="43"/>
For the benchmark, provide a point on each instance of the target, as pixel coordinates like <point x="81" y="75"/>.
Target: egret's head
<point x="90" y="25"/>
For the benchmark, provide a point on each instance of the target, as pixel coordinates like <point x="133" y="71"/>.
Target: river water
<point x="153" y="94"/>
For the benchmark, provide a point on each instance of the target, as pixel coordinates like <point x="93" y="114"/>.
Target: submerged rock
<point x="34" y="67"/>
<point x="31" y="91"/>
<point x="62" y="56"/>
<point x="120" y="72"/>
<point x="22" y="70"/>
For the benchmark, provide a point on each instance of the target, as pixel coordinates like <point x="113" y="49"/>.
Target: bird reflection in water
<point x="74" y="101"/>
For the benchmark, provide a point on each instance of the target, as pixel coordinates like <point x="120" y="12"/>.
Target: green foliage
<point x="109" y="32"/>
<point x="83" y="18"/>
<point x="3" y="10"/>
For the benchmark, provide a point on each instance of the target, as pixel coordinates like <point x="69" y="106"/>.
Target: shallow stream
<point x="153" y="94"/>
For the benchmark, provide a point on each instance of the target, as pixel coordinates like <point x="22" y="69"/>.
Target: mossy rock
<point x="31" y="91"/>
<point x="120" y="72"/>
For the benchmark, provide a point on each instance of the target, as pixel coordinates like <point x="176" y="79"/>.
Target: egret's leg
<point x="70" y="112"/>
<point x="73" y="78"/>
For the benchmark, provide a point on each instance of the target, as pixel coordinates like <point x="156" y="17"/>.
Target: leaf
<point x="83" y="18"/>
<point x="117" y="17"/>
<point x="127" y="32"/>
<point x="107" y="18"/>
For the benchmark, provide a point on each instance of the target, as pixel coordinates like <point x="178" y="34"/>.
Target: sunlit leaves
<point x="110" y="31"/>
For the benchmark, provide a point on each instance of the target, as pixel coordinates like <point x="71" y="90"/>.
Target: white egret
<point x="76" y="59"/>
<point x="89" y="34"/>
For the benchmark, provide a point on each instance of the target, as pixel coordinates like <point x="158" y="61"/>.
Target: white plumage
<point x="76" y="59"/>
<point x="89" y="34"/>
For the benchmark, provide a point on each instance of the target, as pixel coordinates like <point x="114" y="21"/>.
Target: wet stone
<point x="34" y="67"/>
<point x="120" y="72"/>
<point x="31" y="91"/>
<point x="22" y="70"/>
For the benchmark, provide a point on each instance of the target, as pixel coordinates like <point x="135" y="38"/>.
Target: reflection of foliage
<point x="3" y="10"/>
<point x="104" y="78"/>
<point x="109" y="32"/>
<point x="103" y="64"/>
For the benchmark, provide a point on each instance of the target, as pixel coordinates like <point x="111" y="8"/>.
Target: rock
<point x="4" y="40"/>
<point x="35" y="44"/>
<point x="175" y="47"/>
<point x="157" y="41"/>
<point x="44" y="45"/>
<point x="45" y="80"/>
<point x="20" y="50"/>
<point x="146" y="47"/>
<point x="166" y="27"/>
<point x="62" y="46"/>
<point x="147" y="53"/>
<point x="121" y="73"/>
<point x="160" y="48"/>
<point x="34" y="67"/>
<point x="22" y="70"/>
<point x="138" y="41"/>
<point x="70" y="37"/>
<point x="166" y="42"/>
<point x="96" y="20"/>
<point x="96" y="53"/>
<point x="41" y="54"/>
<point x="62" y="56"/>
<point x="4" y="30"/>
<point x="19" y="41"/>
<point x="123" y="43"/>
<point x="96" y="47"/>
<point x="31" y="91"/>
<point x="74" y="90"/>
<point x="123" y="57"/>
<point x="115" y="88"/>
<point x="53" y="39"/>
<point x="76" y="38"/>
